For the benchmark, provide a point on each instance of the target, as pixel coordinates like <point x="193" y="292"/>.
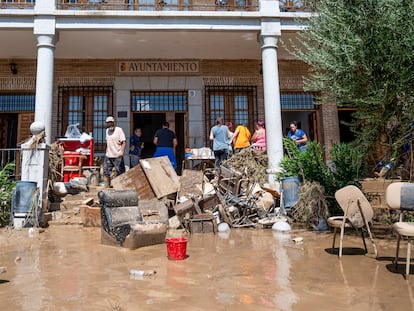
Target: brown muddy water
<point x="67" y="268"/>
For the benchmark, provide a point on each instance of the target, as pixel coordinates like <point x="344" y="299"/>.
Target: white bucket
<point x="18" y="220"/>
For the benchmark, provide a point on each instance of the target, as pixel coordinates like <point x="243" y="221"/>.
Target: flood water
<point x="67" y="268"/>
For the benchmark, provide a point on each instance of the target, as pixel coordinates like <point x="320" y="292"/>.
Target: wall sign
<point x="146" y="67"/>
<point x="122" y="114"/>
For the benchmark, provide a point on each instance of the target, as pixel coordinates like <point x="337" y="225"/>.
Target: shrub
<point x="347" y="167"/>
<point x="6" y="187"/>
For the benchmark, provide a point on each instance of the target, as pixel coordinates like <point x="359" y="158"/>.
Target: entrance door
<point x="150" y="109"/>
<point x="149" y="123"/>
<point x="8" y="130"/>
<point x="306" y="120"/>
<point x="180" y="133"/>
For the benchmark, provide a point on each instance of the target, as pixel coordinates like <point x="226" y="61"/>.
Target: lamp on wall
<point x="222" y="2"/>
<point x="13" y="68"/>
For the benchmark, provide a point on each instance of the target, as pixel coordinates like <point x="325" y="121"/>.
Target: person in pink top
<point x="259" y="136"/>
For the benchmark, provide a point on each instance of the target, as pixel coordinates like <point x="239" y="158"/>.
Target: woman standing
<point x="298" y="136"/>
<point x="219" y="135"/>
<point x="241" y="138"/>
<point x="259" y="136"/>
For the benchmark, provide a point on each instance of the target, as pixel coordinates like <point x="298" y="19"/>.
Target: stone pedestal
<point x="35" y="167"/>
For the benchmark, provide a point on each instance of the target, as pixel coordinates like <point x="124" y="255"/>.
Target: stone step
<point x="65" y="217"/>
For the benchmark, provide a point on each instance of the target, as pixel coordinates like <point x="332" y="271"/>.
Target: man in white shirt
<point x="115" y="148"/>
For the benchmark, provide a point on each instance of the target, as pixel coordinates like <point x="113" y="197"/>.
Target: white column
<point x="273" y="117"/>
<point x="44" y="82"/>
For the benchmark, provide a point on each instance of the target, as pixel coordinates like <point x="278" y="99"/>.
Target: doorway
<point x="8" y="130"/>
<point x="306" y="121"/>
<point x="150" y="123"/>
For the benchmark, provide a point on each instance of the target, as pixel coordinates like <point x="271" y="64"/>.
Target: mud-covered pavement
<point x="67" y="268"/>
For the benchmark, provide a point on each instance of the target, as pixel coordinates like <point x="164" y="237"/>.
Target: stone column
<point x="44" y="29"/>
<point x="44" y="83"/>
<point x="273" y="117"/>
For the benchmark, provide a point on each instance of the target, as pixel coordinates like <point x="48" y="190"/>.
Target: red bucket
<point x="176" y="248"/>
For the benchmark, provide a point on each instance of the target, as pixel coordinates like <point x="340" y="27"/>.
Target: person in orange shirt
<point x="241" y="138"/>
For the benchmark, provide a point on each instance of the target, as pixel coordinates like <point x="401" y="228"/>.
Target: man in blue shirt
<point x="135" y="145"/>
<point x="166" y="141"/>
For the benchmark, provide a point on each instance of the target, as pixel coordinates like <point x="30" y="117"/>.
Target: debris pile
<point x="250" y="162"/>
<point x="228" y="196"/>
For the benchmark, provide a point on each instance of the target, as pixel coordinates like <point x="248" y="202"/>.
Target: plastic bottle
<point x="135" y="272"/>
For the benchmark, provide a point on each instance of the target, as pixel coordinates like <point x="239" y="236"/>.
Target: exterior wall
<point x="76" y="72"/>
<point x="124" y="85"/>
<point x="291" y="74"/>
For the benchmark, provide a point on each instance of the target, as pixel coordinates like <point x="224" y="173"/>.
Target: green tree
<point x="360" y="54"/>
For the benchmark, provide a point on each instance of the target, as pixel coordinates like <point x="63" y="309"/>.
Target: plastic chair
<point x="358" y="214"/>
<point x="289" y="193"/>
<point x="400" y="196"/>
<point x="71" y="165"/>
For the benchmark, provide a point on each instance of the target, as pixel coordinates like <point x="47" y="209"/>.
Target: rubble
<point x="197" y="201"/>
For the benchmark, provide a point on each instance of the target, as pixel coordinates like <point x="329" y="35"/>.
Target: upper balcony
<point x="160" y="5"/>
<point x="190" y="29"/>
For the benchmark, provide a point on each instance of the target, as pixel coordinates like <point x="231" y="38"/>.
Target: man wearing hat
<point x="115" y="147"/>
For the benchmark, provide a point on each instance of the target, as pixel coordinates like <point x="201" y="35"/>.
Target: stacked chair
<point x="400" y="197"/>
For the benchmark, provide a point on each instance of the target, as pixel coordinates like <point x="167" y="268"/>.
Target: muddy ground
<point x="67" y="268"/>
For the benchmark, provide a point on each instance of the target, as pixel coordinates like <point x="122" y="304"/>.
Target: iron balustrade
<point x="161" y="5"/>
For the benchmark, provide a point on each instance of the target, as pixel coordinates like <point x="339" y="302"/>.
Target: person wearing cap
<point x="166" y="141"/>
<point x="115" y="148"/>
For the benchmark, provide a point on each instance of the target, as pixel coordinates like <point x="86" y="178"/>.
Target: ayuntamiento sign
<point x="148" y="67"/>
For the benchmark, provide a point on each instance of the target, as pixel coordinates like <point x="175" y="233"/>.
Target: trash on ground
<point x="298" y="240"/>
<point x="136" y="272"/>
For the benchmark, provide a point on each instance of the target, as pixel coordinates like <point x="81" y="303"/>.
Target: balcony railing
<point x="160" y="5"/>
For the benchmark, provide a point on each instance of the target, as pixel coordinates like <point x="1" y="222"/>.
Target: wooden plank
<point x="161" y="176"/>
<point x="90" y="216"/>
<point x="134" y="178"/>
<point x="376" y="185"/>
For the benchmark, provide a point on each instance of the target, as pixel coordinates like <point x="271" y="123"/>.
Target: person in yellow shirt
<point x="241" y="138"/>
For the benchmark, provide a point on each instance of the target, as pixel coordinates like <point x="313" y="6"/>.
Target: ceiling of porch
<point x="141" y="44"/>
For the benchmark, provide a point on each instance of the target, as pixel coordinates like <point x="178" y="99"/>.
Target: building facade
<point x="69" y="62"/>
